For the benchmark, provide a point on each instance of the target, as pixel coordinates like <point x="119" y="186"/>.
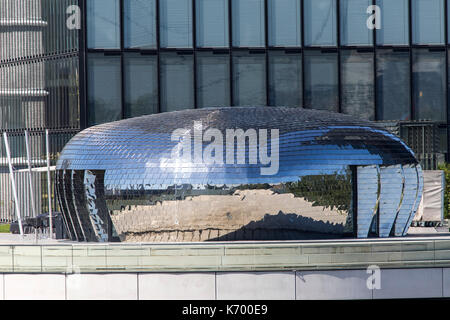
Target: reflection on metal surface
<point x="368" y="197"/>
<point x="417" y="200"/>
<point x="91" y="198"/>
<point x="390" y="197"/>
<point x="68" y="195"/>
<point x="313" y="206"/>
<point x="76" y="199"/>
<point x="62" y="202"/>
<point x="408" y="200"/>
<point x="142" y="194"/>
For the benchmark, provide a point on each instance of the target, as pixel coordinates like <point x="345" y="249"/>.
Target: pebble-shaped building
<point x="239" y="173"/>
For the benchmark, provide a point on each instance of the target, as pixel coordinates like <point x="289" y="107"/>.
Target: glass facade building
<point x="39" y="90"/>
<point x="316" y="54"/>
<point x="319" y="54"/>
<point x="39" y="66"/>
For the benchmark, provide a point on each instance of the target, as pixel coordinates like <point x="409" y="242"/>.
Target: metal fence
<point x="428" y="140"/>
<point x="57" y="140"/>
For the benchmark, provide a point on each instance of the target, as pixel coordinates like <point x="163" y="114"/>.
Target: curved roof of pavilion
<point x="137" y="151"/>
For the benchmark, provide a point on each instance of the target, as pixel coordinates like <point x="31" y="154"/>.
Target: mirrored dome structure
<point x="239" y="173"/>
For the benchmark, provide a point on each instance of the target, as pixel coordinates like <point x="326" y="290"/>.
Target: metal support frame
<point x="30" y="171"/>
<point x="49" y="188"/>
<point x="13" y="182"/>
<point x="30" y="175"/>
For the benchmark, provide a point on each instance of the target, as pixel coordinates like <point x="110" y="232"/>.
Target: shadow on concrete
<point x="284" y="226"/>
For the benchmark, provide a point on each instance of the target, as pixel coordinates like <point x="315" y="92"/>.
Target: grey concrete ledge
<point x="225" y="257"/>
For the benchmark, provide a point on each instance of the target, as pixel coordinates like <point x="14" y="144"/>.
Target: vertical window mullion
<point x="230" y="40"/>
<point x="194" y="44"/>
<point x="339" y="67"/>
<point x="447" y="100"/>
<point x="266" y="40"/>
<point x="158" y="46"/>
<point x="302" y="17"/>
<point x="122" y="76"/>
<point x="410" y="41"/>
<point x="374" y="70"/>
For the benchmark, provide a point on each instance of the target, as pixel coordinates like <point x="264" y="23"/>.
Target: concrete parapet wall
<point x="225" y="257"/>
<point x="333" y="284"/>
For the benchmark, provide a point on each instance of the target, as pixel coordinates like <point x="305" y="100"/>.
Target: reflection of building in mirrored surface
<point x="336" y="176"/>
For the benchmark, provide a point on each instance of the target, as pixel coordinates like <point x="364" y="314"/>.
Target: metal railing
<point x="16" y="139"/>
<point x="430" y="161"/>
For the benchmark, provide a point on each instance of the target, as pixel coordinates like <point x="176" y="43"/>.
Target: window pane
<point x="285" y="23"/>
<point x="213" y="80"/>
<point x="428" y="21"/>
<point x="285" y="79"/>
<point x="320" y="22"/>
<point x="354" y="17"/>
<point x="104" y="92"/>
<point x="176" y="23"/>
<point x="212" y="23"/>
<point x="140" y="24"/>
<point x="321" y="80"/>
<point x="357" y="84"/>
<point x="429" y="84"/>
<point x="394" y="22"/>
<point x="103" y="24"/>
<point x="393" y="85"/>
<point x="248" y="23"/>
<point x="448" y="81"/>
<point x="177" y="82"/>
<point x="141" y="85"/>
<point x="249" y="79"/>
